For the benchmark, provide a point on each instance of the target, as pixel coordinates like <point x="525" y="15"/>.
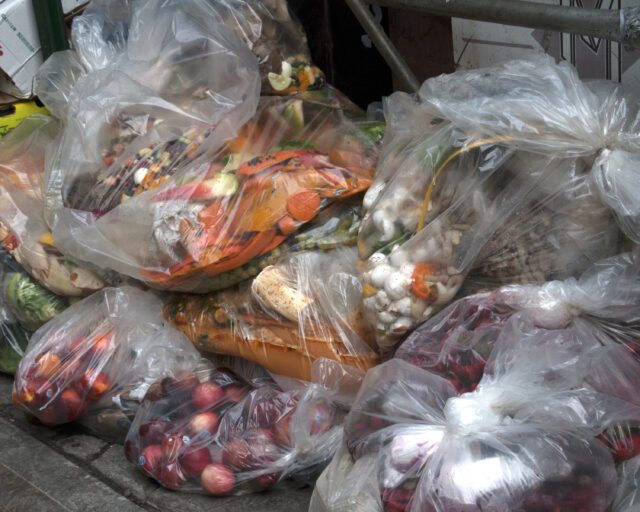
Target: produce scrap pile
<point x="213" y="257"/>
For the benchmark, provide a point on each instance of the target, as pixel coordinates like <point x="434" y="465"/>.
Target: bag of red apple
<point x="520" y="187"/>
<point x="219" y="433"/>
<point x="23" y="230"/>
<point x="95" y="361"/>
<point x="628" y="492"/>
<point x="602" y="304"/>
<point x="524" y="440"/>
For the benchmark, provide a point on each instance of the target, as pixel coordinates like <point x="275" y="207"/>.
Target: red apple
<point x="170" y="475"/>
<point x="217" y="479"/>
<point x="320" y="417"/>
<point x="282" y="430"/>
<point x="203" y="424"/>
<point x="150" y="459"/>
<point x="101" y="348"/>
<point x="235" y="394"/>
<point x="53" y="414"/>
<point x="48" y="365"/>
<point x="262" y="446"/>
<point x="74" y="406"/>
<point x="71" y="371"/>
<point x="95" y="384"/>
<point x="238" y="455"/>
<point x="207" y="395"/>
<point x="37" y="392"/>
<point x="152" y="431"/>
<point x="131" y="450"/>
<point x="266" y="482"/>
<point x="172" y="446"/>
<point x="194" y="460"/>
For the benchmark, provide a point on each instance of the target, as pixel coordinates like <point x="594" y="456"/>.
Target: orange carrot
<point x="287" y="225"/>
<point x="304" y="205"/>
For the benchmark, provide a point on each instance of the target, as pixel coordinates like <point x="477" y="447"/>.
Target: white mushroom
<point x="397" y="285"/>
<point x="417" y="307"/>
<point x="399" y="258"/>
<point x="445" y="294"/>
<point x="379" y="275"/>
<point x="381" y="300"/>
<point x="402" y="306"/>
<point x="402" y="325"/>
<point x="386" y="317"/>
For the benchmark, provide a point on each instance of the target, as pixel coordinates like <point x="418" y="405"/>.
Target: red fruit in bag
<point x="238" y="455"/>
<point x="207" y="395"/>
<point x="52" y="415"/>
<point x="152" y="431"/>
<point x="74" y="406"/>
<point x="95" y="384"/>
<point x="282" y="430"/>
<point x="194" y="460"/>
<point x="202" y="423"/>
<point x="266" y="482"/>
<point x="48" y="366"/>
<point x="36" y="392"/>
<point x="217" y="479"/>
<point x="320" y="419"/>
<point x="131" y="450"/>
<point x="170" y="475"/>
<point x="234" y="394"/>
<point x="172" y="445"/>
<point x="150" y="459"/>
<point x="101" y="348"/>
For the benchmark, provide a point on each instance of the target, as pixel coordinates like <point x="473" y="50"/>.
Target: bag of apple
<point x="602" y="305"/>
<point x="216" y="432"/>
<point x="23" y="230"/>
<point x="95" y="361"/>
<point x="501" y="172"/>
<point x="302" y="307"/>
<point x="524" y="439"/>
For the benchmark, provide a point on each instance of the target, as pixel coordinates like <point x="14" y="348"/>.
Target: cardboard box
<point x="20" y="55"/>
<point x="478" y="44"/>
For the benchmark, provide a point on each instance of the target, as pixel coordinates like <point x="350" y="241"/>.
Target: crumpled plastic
<point x="95" y="361"/>
<point x="519" y="173"/>
<point x="303" y="307"/>
<point x="524" y="439"/>
<point x="221" y="432"/>
<point x="23" y="230"/>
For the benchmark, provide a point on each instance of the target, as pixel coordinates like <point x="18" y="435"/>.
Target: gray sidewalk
<point x="51" y="470"/>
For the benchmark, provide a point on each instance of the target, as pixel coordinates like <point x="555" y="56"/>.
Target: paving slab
<point x="53" y="475"/>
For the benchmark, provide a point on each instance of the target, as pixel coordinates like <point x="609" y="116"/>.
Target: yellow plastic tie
<point x="464" y="149"/>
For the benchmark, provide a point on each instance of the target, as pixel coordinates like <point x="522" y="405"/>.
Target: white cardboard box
<point x="20" y="55"/>
<point x="478" y="44"/>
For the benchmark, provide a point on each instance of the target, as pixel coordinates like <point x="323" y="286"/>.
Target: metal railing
<point x="621" y="25"/>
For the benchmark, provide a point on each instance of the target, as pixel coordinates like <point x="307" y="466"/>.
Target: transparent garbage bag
<point x="218" y="432"/>
<point x="519" y="173"/>
<point x="23" y="230"/>
<point x="628" y="492"/>
<point x="303" y="307"/>
<point x="523" y="440"/>
<point x="95" y="361"/>
<point x="13" y="336"/>
<point x="292" y="160"/>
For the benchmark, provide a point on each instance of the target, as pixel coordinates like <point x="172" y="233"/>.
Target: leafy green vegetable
<point x="13" y="342"/>
<point x="32" y="304"/>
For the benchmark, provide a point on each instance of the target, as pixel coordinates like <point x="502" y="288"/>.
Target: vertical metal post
<point x="384" y="44"/>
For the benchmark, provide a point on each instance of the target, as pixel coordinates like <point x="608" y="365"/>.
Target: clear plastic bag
<point x="628" y="492"/>
<point x="524" y="440"/>
<point x="304" y="307"/>
<point x="13" y="336"/>
<point x="96" y="360"/>
<point x="516" y="173"/>
<point x="292" y="160"/>
<point x="217" y="432"/>
<point x="23" y="230"/>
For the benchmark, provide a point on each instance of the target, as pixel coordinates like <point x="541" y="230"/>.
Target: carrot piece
<point x="255" y="246"/>
<point x="418" y="285"/>
<point x="304" y="205"/>
<point x="265" y="162"/>
<point x="287" y="225"/>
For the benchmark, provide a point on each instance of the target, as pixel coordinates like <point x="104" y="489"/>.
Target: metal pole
<point x="384" y="44"/>
<point x="617" y="25"/>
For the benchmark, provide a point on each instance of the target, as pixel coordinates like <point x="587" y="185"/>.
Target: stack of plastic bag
<point x="96" y="360"/>
<point x="603" y="306"/>
<point x="304" y="307"/>
<point x="517" y="173"/>
<point x="23" y="230"/>
<point x="220" y="432"/>
<point x="525" y="439"/>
